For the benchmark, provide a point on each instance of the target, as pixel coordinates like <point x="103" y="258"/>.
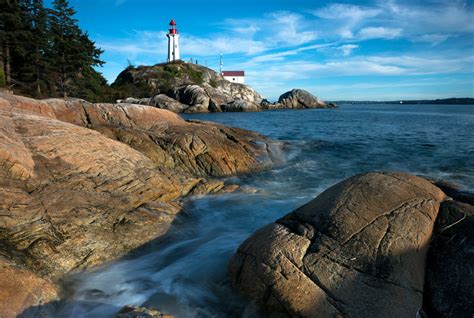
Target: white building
<point x="234" y="76"/>
<point x="173" y="44"/>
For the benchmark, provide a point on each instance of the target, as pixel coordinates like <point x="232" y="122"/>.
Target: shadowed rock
<point x="449" y="287"/>
<point x="357" y="250"/>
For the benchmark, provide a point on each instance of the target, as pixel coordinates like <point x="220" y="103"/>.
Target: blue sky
<point x="364" y="50"/>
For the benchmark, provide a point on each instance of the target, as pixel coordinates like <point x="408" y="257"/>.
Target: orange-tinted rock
<point x="357" y="250"/>
<point x="21" y="289"/>
<point x="74" y="197"/>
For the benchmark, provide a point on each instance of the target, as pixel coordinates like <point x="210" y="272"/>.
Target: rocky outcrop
<point x="357" y="250"/>
<point x="198" y="148"/>
<point x="85" y="183"/>
<point x="196" y="86"/>
<point x="299" y="98"/>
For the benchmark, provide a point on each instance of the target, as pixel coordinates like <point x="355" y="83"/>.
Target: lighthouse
<point x="173" y="45"/>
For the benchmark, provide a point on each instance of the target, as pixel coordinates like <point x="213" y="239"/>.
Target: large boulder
<point x="226" y="92"/>
<point x="194" y="96"/>
<point x="165" y="102"/>
<point x="299" y="98"/>
<point x="357" y="250"/>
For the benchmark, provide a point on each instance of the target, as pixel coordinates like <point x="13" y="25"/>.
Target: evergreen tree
<point x="12" y="35"/>
<point x="72" y="51"/>
<point x="43" y="52"/>
<point x="37" y="67"/>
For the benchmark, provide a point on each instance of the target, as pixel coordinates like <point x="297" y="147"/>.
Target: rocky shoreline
<point x="84" y="184"/>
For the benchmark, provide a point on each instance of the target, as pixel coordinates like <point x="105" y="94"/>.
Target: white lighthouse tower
<point x="173" y="45"/>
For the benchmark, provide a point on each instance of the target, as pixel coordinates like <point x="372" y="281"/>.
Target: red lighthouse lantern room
<point x="173" y="29"/>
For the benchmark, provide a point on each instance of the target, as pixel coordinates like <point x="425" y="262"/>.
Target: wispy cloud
<point x="347" y="49"/>
<point x="379" y="33"/>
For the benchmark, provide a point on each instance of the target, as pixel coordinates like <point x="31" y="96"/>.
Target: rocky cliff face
<point x="359" y="250"/>
<point x="85" y="183"/>
<point x="196" y="87"/>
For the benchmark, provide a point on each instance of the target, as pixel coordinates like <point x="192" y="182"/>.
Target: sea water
<point x="185" y="274"/>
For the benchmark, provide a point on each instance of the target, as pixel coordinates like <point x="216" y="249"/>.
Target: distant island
<point x="445" y="101"/>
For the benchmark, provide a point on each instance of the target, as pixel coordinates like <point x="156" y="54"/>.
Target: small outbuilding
<point x="234" y="76"/>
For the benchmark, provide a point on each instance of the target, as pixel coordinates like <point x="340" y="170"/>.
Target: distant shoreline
<point x="446" y="101"/>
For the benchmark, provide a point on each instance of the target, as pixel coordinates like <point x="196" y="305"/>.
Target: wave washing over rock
<point x="82" y="184"/>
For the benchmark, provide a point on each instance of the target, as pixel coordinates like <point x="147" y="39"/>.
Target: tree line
<point x="44" y="53"/>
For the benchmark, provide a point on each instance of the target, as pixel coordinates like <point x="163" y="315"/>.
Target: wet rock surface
<point x="82" y="184"/>
<point x="357" y="250"/>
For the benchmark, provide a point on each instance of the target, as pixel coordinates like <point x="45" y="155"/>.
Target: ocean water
<point x="186" y="273"/>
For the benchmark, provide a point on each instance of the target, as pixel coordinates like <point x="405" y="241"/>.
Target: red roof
<point x="173" y="22"/>
<point x="233" y="73"/>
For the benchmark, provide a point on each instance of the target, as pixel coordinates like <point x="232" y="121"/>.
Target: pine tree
<point x="65" y="51"/>
<point x="36" y="68"/>
<point x="43" y="52"/>
<point x="72" y="50"/>
<point x="11" y="35"/>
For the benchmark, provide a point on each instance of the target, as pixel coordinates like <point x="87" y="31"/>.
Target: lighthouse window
<point x="233" y="78"/>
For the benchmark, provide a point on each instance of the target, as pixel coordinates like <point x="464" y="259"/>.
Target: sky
<point x="337" y="50"/>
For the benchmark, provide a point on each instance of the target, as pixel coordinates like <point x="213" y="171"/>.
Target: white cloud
<point x="433" y="39"/>
<point x="379" y="33"/>
<point x="301" y="72"/>
<point x="346" y="17"/>
<point x="430" y="21"/>
<point x="347" y="49"/>
<point x="347" y="11"/>
<point x="281" y="28"/>
<point x="289" y="29"/>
